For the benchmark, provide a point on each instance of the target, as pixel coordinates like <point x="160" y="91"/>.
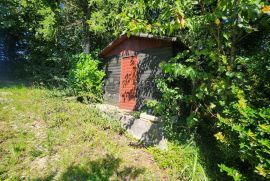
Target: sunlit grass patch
<point x="45" y="136"/>
<point x="182" y="161"/>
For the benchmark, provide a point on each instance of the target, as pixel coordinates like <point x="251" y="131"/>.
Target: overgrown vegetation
<point x="215" y="94"/>
<point x="221" y="84"/>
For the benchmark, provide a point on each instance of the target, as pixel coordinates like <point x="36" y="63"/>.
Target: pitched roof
<point x="123" y="37"/>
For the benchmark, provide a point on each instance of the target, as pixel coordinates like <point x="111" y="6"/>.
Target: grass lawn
<point x="45" y="136"/>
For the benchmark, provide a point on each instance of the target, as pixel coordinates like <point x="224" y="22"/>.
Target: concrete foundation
<point x="147" y="129"/>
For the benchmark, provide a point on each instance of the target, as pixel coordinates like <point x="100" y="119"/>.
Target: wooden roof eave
<point x="123" y="37"/>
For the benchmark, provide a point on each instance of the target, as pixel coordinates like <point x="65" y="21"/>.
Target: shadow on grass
<point x="99" y="170"/>
<point x="8" y="83"/>
<point x="11" y="85"/>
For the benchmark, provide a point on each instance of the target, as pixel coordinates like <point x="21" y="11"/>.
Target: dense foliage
<point x="85" y="75"/>
<point x="217" y="91"/>
<point x="221" y="84"/>
<point x="49" y="33"/>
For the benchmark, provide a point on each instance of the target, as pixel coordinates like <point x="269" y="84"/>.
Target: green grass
<point x="44" y="136"/>
<point x="181" y="161"/>
<point x="47" y="136"/>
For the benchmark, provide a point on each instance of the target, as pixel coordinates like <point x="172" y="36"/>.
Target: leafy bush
<point x="250" y="135"/>
<point x="221" y="105"/>
<point x="85" y="75"/>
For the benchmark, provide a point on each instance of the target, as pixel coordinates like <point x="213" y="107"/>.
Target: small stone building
<point x="132" y="65"/>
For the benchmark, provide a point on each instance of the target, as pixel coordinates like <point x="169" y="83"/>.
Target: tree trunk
<point x="87" y="45"/>
<point x="86" y="11"/>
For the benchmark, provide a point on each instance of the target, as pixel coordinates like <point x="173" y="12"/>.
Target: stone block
<point x="149" y="117"/>
<point x="147" y="129"/>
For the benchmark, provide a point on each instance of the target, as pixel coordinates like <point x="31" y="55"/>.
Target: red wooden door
<point x="128" y="82"/>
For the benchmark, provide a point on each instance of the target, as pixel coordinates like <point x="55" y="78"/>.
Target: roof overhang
<point x="123" y="37"/>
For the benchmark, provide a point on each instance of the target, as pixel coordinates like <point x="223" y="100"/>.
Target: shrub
<point x="85" y="75"/>
<point x="224" y="106"/>
<point x="251" y="135"/>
